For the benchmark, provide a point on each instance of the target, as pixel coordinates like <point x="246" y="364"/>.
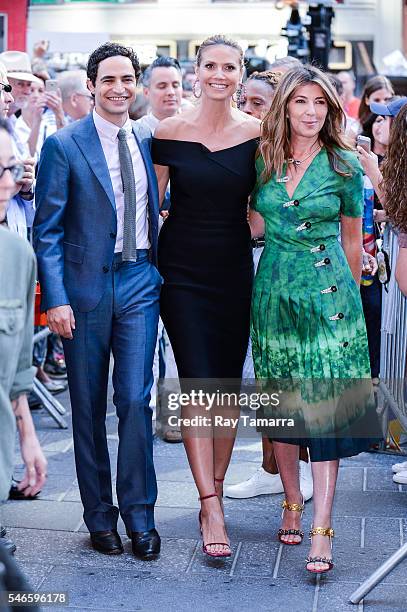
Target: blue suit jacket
<point x="75" y="222"/>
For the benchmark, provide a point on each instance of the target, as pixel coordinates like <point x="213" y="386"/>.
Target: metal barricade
<point x="393" y="384"/>
<point x="54" y="408"/>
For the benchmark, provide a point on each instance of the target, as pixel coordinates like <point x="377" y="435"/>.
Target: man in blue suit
<point x="95" y="235"/>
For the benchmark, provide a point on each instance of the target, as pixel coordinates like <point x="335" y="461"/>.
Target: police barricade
<point x="54" y="408"/>
<point x="393" y="384"/>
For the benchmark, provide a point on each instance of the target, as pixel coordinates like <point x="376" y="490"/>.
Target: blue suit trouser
<point x="124" y="323"/>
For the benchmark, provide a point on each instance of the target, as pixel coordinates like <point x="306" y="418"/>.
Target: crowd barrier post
<point x="393" y="384"/>
<point x="54" y="408"/>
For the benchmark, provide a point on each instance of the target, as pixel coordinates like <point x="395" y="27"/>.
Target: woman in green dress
<point x="307" y="320"/>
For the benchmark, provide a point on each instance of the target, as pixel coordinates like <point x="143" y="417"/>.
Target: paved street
<point x="53" y="546"/>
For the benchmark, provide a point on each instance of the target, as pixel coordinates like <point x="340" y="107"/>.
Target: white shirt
<point x="20" y="212"/>
<point x="150" y="121"/>
<point x="20" y="149"/>
<point x="23" y="132"/>
<point x="107" y="133"/>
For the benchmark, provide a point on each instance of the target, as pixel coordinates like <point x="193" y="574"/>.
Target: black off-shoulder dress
<point x="205" y="256"/>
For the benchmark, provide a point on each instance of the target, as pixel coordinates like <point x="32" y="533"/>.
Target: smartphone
<point x="364" y="142"/>
<point x="51" y="85"/>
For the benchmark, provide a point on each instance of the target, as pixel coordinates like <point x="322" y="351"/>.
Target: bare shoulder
<point x="249" y="125"/>
<point x="167" y="128"/>
<point x="173" y="128"/>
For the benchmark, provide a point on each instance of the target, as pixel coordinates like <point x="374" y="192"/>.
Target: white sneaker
<point x="261" y="483"/>
<point x="400" y="477"/>
<point x="399" y="467"/>
<point x="306" y="482"/>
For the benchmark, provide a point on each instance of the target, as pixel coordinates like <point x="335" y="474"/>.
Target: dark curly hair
<point x="164" y="61"/>
<point x="110" y="49"/>
<point x="394" y="172"/>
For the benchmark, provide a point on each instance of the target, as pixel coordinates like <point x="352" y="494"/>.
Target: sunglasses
<point x="16" y="171"/>
<point x="7" y="88"/>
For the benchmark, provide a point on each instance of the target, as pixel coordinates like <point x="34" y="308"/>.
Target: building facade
<point x="177" y="26"/>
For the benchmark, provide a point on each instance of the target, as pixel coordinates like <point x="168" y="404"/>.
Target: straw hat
<point x="18" y="66"/>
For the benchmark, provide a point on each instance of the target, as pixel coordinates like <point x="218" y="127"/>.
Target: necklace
<point x="298" y="162"/>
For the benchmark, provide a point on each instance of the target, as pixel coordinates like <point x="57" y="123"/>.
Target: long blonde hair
<point x="275" y="145"/>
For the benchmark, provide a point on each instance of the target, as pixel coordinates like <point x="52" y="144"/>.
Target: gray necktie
<point x="129" y="188"/>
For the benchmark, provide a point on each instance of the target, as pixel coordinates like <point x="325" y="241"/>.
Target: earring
<point x="194" y="90"/>
<point x="239" y="93"/>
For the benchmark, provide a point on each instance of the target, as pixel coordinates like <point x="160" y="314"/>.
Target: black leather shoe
<point x="16" y="494"/>
<point x="146" y="545"/>
<point x="8" y="545"/>
<point x="6" y="542"/>
<point x="55" y="368"/>
<point x="107" y="542"/>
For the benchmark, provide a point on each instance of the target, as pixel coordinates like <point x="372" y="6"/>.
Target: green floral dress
<point x="307" y="327"/>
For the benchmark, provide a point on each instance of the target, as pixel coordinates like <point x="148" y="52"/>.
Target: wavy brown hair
<point x="394" y="171"/>
<point x="275" y="145"/>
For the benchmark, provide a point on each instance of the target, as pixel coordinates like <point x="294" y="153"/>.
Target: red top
<point x="352" y="108"/>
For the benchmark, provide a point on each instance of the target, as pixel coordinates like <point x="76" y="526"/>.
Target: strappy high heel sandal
<point x="296" y="532"/>
<point x="324" y="531"/>
<point x="200" y="513"/>
<point x="205" y="546"/>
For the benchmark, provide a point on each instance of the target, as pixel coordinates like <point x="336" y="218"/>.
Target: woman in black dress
<point x="205" y="256"/>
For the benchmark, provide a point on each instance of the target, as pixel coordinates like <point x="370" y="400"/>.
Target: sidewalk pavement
<point x="370" y="520"/>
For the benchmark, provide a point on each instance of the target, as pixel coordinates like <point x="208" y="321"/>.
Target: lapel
<point x="317" y="173"/>
<point x="87" y="139"/>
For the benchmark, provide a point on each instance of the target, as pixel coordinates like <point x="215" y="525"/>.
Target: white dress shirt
<point x="48" y="126"/>
<point x="108" y="132"/>
<point x="149" y="121"/>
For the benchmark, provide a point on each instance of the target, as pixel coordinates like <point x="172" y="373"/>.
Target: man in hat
<point x="21" y="79"/>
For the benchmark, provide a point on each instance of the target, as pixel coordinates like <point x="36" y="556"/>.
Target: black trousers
<point x="372" y="308"/>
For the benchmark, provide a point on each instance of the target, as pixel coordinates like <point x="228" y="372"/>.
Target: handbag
<point x="382" y="258"/>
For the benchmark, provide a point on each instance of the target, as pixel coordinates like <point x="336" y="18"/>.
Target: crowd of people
<point x="143" y="233"/>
